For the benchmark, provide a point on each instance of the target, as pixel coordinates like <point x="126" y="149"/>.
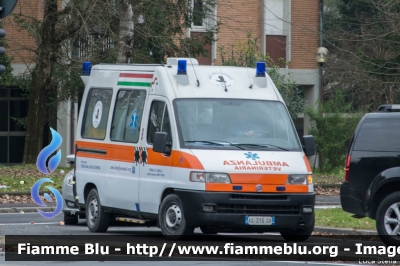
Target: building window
<point x="275" y="47"/>
<point x="199" y="18"/>
<point x="198" y="13"/>
<point x="13" y="105"/>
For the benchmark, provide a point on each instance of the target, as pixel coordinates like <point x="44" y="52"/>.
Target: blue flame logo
<point x="47" y="151"/>
<point x="36" y="198"/>
<point x="41" y="165"/>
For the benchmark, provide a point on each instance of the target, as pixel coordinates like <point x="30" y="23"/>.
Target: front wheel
<point x="97" y="219"/>
<point x="301" y="234"/>
<point x="172" y="219"/>
<point x="388" y="219"/>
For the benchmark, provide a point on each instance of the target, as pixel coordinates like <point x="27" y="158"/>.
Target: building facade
<point x="287" y="29"/>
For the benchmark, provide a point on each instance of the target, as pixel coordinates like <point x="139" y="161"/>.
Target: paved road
<point x="20" y="224"/>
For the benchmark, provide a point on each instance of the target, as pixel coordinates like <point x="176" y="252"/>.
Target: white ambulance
<point x="184" y="146"/>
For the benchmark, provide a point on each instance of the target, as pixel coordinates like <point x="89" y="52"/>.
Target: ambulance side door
<point x="123" y="168"/>
<point x="155" y="168"/>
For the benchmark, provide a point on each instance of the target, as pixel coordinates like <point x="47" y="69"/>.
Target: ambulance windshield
<point x="235" y="124"/>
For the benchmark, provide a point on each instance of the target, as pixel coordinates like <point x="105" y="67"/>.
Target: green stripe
<point x="139" y="84"/>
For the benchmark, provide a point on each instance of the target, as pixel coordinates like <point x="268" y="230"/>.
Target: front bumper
<point x="69" y="205"/>
<point x="350" y="200"/>
<point x="230" y="210"/>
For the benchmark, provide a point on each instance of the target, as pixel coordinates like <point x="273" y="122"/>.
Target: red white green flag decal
<point x="135" y="79"/>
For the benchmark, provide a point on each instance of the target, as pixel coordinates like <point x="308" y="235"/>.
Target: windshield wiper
<point x="214" y="142"/>
<point x="262" y="145"/>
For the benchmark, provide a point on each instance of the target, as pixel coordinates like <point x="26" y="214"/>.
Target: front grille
<point x="259" y="197"/>
<point x="257" y="209"/>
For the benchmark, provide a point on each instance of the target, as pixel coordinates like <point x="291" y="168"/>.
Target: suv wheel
<point x="388" y="219"/>
<point x="172" y="219"/>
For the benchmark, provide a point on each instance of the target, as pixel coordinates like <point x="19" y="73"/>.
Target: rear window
<point x="377" y="134"/>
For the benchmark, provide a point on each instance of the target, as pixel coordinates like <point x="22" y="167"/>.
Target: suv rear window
<point x="377" y="134"/>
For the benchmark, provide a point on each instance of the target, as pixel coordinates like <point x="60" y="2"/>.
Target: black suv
<point x="372" y="174"/>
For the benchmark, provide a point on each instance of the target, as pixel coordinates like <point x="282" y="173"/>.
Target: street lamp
<point x="321" y="56"/>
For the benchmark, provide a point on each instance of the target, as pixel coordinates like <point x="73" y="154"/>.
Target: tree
<point x="99" y="31"/>
<point x="54" y="36"/>
<point x="6" y="78"/>
<point x="363" y="39"/>
<point x="126" y="28"/>
<point x="247" y="54"/>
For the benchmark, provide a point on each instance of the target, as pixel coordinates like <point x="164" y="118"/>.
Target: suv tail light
<point x="347" y="169"/>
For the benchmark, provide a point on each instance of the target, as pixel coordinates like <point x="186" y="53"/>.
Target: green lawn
<point x="20" y="178"/>
<point x="334" y="177"/>
<point x="336" y="217"/>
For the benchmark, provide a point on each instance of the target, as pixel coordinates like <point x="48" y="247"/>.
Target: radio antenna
<point x="198" y="82"/>
<point x="251" y="85"/>
<point x="223" y="79"/>
<point x="187" y="50"/>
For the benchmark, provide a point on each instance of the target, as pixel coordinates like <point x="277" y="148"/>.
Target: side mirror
<point x="71" y="159"/>
<point x="160" y="143"/>
<point x="309" y="145"/>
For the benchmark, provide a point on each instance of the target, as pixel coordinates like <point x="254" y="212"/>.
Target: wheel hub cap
<point x="93" y="211"/>
<point x="392" y="219"/>
<point x="173" y="217"/>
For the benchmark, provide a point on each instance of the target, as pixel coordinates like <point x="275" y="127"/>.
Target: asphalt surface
<point x="32" y="223"/>
<point x="320" y="200"/>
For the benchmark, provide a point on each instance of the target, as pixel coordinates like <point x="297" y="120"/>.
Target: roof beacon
<point x="182" y="67"/>
<point x="86" y="68"/>
<point x="260" y="69"/>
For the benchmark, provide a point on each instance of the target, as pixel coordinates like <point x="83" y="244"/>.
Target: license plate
<point x="259" y="220"/>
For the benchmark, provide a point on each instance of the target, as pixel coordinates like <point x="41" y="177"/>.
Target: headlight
<point x="299" y="179"/>
<point x="210" y="177"/>
<point x="69" y="178"/>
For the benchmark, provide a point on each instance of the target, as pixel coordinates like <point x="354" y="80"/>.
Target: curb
<point x="25" y="209"/>
<point x="345" y="231"/>
<point x="26" y="193"/>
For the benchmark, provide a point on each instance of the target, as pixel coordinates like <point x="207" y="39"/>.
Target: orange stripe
<point x="307" y="164"/>
<point x="252" y="188"/>
<point x="91" y="155"/>
<point x="270" y="179"/>
<point x="126" y="153"/>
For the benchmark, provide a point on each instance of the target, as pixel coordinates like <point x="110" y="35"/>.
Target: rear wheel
<point x="388" y="219"/>
<point x="301" y="234"/>
<point x="172" y="219"/>
<point x="97" y="219"/>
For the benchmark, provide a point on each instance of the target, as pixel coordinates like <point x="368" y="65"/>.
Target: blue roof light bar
<point x="86" y="68"/>
<point x="260" y="69"/>
<point x="182" y="67"/>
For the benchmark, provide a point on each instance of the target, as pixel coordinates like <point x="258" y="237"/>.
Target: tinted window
<point x="379" y="135"/>
<point x="96" y="113"/>
<point x="128" y="115"/>
<point x="158" y="121"/>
